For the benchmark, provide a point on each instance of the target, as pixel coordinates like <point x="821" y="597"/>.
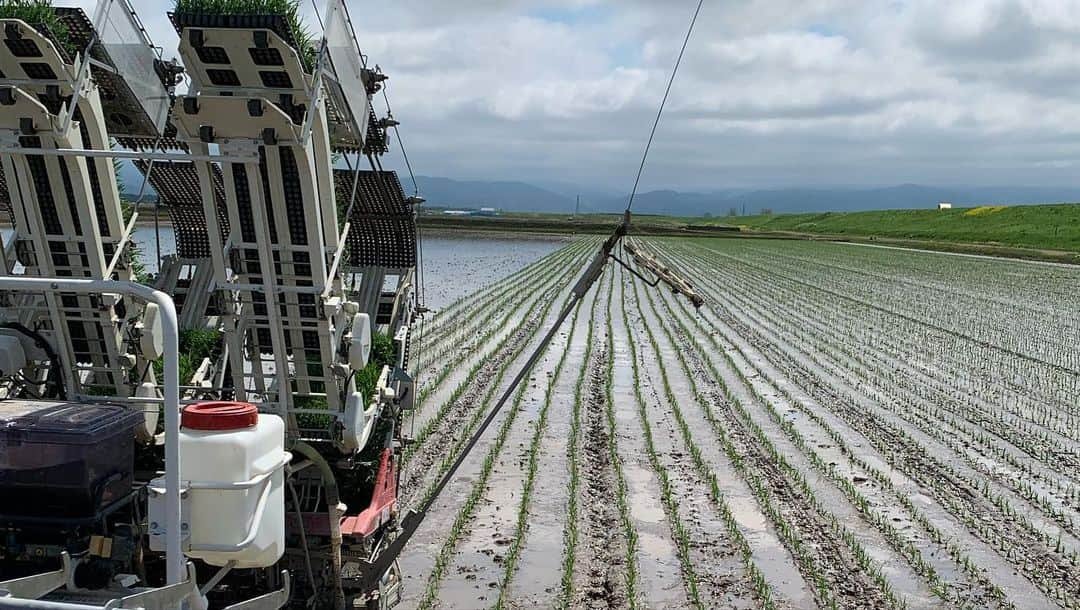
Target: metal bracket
<point x="40" y="585"/>
<point x="653" y="283"/>
<point x="169" y="596"/>
<point x="270" y="601"/>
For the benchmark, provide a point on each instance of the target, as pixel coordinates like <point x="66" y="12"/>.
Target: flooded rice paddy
<point x="837" y="427"/>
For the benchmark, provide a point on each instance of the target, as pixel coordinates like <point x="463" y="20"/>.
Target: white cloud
<point x="773" y="91"/>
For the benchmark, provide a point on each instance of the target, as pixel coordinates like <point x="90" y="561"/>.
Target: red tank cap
<point x="219" y="416"/>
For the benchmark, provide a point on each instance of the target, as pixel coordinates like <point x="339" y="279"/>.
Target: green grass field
<point x="988" y="229"/>
<point x="1048" y="227"/>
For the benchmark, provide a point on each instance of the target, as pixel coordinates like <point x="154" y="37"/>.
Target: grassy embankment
<point x="1048" y="232"/>
<point x="1044" y="227"/>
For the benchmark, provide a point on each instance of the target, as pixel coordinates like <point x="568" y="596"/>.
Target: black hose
<point x="53" y="379"/>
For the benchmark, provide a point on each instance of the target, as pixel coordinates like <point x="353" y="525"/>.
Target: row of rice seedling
<point x="911" y="396"/>
<point x="453" y="324"/>
<point x="993" y="332"/>
<point x="880" y="512"/>
<point x="570" y="532"/>
<point x="1036" y="571"/>
<point x="679" y="531"/>
<point x="1041" y="342"/>
<point x="953" y="359"/>
<point x="1010" y="504"/>
<point x="460" y="435"/>
<point x="629" y="530"/>
<point x="798" y="483"/>
<point x="761" y="586"/>
<point x="513" y="553"/>
<point x="828" y="337"/>
<point x="469" y="504"/>
<point x="929" y="523"/>
<point x="553" y="280"/>
<point x="902" y="450"/>
<point x="758" y="463"/>
<point x="484" y="323"/>
<point x="892" y="372"/>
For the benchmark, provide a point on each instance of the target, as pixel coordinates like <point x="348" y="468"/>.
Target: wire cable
<point x="401" y="143"/>
<point x="421" y="279"/>
<point x="663" y="103"/>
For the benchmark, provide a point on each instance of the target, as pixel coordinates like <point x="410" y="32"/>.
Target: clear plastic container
<point x="64" y="459"/>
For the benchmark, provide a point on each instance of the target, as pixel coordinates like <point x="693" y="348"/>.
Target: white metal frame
<point x="174" y="555"/>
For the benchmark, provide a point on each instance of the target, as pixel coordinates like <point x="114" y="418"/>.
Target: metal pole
<point x="174" y="556"/>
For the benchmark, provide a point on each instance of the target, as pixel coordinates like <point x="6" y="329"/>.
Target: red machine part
<point x="382" y="504"/>
<point x="377" y="514"/>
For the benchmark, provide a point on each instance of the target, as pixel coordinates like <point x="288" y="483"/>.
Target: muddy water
<point x="478" y="566"/>
<point x="659" y="570"/>
<point x="537" y="581"/>
<point x="466" y="583"/>
<point x="456" y="265"/>
<point x="770" y="556"/>
<point x="1020" y="591"/>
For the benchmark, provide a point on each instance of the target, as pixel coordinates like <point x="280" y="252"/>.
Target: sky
<point x="772" y="93"/>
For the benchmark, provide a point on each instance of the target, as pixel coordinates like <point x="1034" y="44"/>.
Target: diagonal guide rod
<point x="372" y="572"/>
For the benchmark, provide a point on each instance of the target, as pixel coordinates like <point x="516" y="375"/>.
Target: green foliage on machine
<point x="289" y="9"/>
<point x="40" y="15"/>
<point x="196" y="344"/>
<point x="383" y="353"/>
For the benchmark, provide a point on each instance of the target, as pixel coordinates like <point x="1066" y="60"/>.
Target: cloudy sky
<point x="772" y="92"/>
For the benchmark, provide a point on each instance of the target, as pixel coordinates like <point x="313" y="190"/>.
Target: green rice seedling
<point x="289" y="9"/>
<point x="453" y="356"/>
<point x="432" y="424"/>
<point x="679" y="533"/>
<point x="479" y="414"/>
<point x="510" y="560"/>
<point x="953" y="550"/>
<point x="629" y="530"/>
<point x="570" y="534"/>
<point x="40" y="14"/>
<point x="468" y="507"/>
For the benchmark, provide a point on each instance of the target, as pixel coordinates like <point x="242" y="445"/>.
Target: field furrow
<point x="837" y="427"/>
<point x="966" y="439"/>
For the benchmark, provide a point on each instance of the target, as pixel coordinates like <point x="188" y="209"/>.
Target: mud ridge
<point x="422" y="465"/>
<point x="839" y="576"/>
<point x="602" y="544"/>
<point x="1047" y="569"/>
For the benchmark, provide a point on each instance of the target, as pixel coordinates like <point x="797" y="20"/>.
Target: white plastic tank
<point x="233" y="458"/>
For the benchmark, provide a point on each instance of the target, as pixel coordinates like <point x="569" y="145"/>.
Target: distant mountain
<point x="560" y="198"/>
<point x="520" y="196"/>
<point x="573" y="191"/>
<point x="508" y="196"/>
